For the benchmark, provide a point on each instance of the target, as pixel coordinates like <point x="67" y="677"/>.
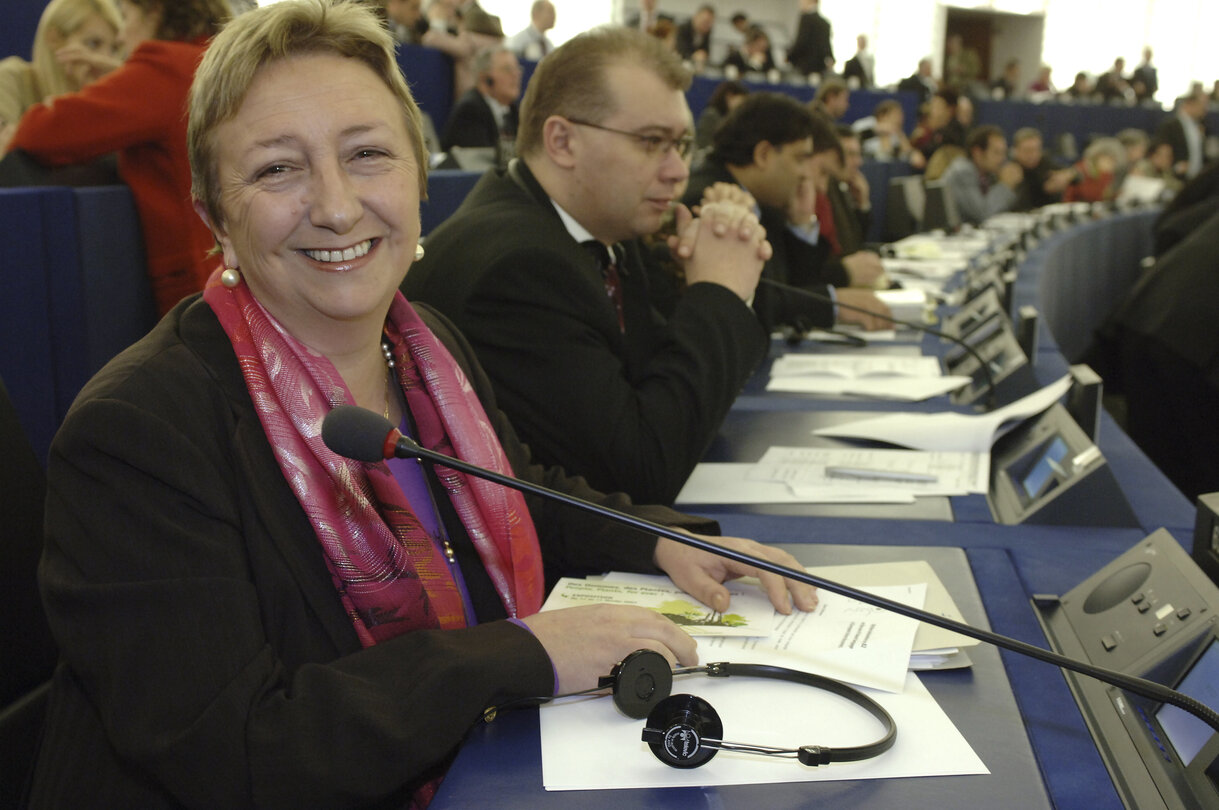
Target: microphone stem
<point x="1140" y="686"/>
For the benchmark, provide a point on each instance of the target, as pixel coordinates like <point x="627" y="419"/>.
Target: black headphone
<point x="684" y="731"/>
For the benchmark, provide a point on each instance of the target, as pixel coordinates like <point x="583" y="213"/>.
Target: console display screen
<point x="1187" y="733"/>
<point x="1043" y="469"/>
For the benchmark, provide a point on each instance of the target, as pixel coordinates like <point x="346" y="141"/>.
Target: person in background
<point x="769" y="147"/>
<point x="1081" y="88"/>
<point x="1185" y="131"/>
<point x="693" y="41"/>
<point x="754" y="56"/>
<point x="1043" y="182"/>
<point x="1112" y="85"/>
<point x="883" y="137"/>
<point x="543" y="268"/>
<point x="850" y="195"/>
<point x="137" y="110"/>
<point x="1008" y="86"/>
<point x="832" y="100"/>
<point x="406" y="21"/>
<point x="76" y="43"/>
<point x="1157" y="164"/>
<point x="1097" y="172"/>
<point x="245" y="617"/>
<point x="532" y="43"/>
<point x="487" y="115"/>
<point x="962" y="66"/>
<point x="1145" y="81"/>
<point x="982" y="182"/>
<point x="812" y="50"/>
<point x="921" y="82"/>
<point x="942" y="127"/>
<point x="724" y="99"/>
<point x="860" y="66"/>
<point x="1043" y="83"/>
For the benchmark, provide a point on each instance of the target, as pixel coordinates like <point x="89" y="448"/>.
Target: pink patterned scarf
<point x="390" y="574"/>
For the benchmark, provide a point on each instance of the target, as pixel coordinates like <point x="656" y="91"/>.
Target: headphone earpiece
<point x="677" y="727"/>
<point x="640" y="681"/>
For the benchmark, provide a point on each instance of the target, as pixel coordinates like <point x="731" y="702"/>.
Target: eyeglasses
<point x="652" y="144"/>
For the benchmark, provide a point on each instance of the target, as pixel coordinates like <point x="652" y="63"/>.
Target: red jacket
<point x="138" y="111"/>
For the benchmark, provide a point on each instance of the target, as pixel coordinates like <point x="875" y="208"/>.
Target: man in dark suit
<point x="1145" y="80"/>
<point x="1168" y="354"/>
<point x="1185" y="132"/>
<point x="767" y="147"/>
<point x="859" y="67"/>
<point x="811" y="50"/>
<point x="920" y="82"/>
<point x="542" y="269"/>
<point x="487" y="114"/>
<point x="693" y="41"/>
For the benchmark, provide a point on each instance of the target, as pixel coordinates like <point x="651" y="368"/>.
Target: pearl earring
<point x="230" y="277"/>
<point x="418" y="252"/>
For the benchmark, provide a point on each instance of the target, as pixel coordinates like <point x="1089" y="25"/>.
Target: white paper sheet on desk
<point x="728" y="483"/>
<point x="587" y="744"/>
<point x="950" y="431"/>
<point x="848" y="334"/>
<point x="938" y="600"/>
<point x="750" y="614"/>
<point x="855" y="366"/>
<point x="925" y="269"/>
<point x="906" y="389"/>
<point x="842" y="639"/>
<point x="804" y="469"/>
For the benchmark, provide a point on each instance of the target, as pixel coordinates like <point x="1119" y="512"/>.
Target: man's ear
<point x="560" y="141"/>
<point x="763" y="152"/>
<point x="222" y="240"/>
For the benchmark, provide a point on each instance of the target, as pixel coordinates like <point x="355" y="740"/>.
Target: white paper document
<point x="587" y="744"/>
<point x="749" y="614"/>
<point x="729" y="483"/>
<point x="905" y="389"/>
<point x="950" y="431"/>
<point x="853" y="366"/>
<point x="814" y="471"/>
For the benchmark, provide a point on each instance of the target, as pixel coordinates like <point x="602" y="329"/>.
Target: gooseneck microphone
<point x="360" y="434"/>
<point x="816" y="296"/>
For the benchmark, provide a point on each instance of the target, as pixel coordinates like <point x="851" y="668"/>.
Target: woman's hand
<point x="702" y="574"/>
<point x="586" y="642"/>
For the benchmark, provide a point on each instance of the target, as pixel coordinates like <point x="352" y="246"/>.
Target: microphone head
<point x="355" y="432"/>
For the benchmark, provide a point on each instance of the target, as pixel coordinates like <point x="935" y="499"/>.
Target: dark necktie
<point x="607" y="259"/>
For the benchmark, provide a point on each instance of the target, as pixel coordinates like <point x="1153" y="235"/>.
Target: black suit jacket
<point x="471" y="123"/>
<point x="688" y="41"/>
<point x="1172" y="132"/>
<point x="793" y="262"/>
<point x="811" y="47"/>
<point x="207" y="660"/>
<point x="855" y="68"/>
<point x="631" y="412"/>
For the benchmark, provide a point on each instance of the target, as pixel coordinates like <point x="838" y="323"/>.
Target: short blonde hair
<point x="272" y="33"/>
<point x="63" y="17"/>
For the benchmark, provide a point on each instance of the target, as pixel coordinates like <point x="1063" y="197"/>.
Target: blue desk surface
<point x="505" y="757"/>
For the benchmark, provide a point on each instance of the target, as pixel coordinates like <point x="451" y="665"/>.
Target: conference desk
<point x="1008" y="564"/>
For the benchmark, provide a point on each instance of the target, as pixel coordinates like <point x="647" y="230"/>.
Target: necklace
<point x="387" y="350"/>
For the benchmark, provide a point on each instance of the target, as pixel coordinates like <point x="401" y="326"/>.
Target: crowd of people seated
<point x="245" y="616"/>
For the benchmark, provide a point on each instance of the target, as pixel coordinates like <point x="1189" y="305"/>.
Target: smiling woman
<point x="247" y="619"/>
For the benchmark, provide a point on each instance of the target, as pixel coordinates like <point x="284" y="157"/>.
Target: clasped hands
<point x="724" y="244"/>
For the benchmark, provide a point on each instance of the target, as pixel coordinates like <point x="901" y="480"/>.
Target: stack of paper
<point x="843" y="639"/>
<point x="950" y="431"/>
<point x="887" y="376"/>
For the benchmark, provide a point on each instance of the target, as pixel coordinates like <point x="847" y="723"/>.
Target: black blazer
<point x="812" y="46"/>
<point x="471" y="123"/>
<point x="632" y="412"/>
<point x="206" y="658"/>
<point x="793" y="262"/>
